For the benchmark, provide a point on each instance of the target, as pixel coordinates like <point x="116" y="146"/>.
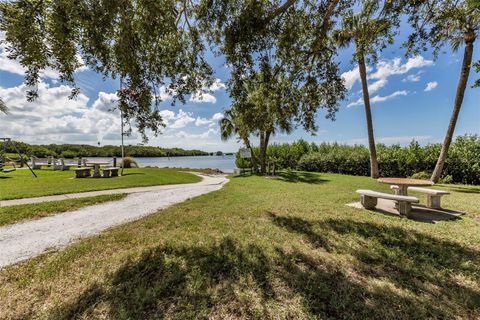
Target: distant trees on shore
<point x="83" y="150"/>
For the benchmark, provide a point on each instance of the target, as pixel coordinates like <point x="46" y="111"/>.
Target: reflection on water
<point x="223" y="163"/>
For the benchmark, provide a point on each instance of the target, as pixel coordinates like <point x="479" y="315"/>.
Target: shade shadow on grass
<point x="460" y="189"/>
<point x="179" y="282"/>
<point x="133" y="174"/>
<point x="303" y="177"/>
<point x="437" y="277"/>
<point x="229" y="279"/>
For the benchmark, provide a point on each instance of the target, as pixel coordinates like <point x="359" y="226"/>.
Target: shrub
<point x="446" y="179"/>
<point x="424" y="175"/>
<point x="462" y="164"/>
<point x="242" y="163"/>
<point x="129" y="162"/>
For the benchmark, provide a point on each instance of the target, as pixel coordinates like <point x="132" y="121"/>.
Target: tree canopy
<point x="152" y="45"/>
<point x="290" y="37"/>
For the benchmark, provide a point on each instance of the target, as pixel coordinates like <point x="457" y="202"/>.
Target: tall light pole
<point x="121" y="126"/>
<point x="123" y="152"/>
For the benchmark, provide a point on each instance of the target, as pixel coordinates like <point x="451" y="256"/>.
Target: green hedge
<point x="462" y="166"/>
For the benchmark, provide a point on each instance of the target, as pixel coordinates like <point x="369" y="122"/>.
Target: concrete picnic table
<point x="96" y="167"/>
<point x="404" y="183"/>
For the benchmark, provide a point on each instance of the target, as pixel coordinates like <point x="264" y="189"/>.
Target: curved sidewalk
<point x="77" y="195"/>
<point x="29" y="239"/>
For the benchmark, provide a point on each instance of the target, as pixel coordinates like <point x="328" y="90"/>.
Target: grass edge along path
<point x="262" y="249"/>
<point x="19" y="213"/>
<point x="21" y="184"/>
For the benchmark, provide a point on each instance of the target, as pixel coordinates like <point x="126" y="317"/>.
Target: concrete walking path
<point x="77" y="195"/>
<point x="31" y="238"/>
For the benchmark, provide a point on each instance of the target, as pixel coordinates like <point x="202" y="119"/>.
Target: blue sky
<point x="412" y="99"/>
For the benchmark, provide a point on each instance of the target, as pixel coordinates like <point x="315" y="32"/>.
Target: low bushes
<point x="462" y="166"/>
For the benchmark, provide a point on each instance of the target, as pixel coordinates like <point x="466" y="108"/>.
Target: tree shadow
<point x="460" y="189"/>
<point x="300" y="176"/>
<point x="419" y="213"/>
<point x="366" y="271"/>
<point x="303" y="227"/>
<point x="132" y="173"/>
<point x="187" y="282"/>
<point x="437" y="277"/>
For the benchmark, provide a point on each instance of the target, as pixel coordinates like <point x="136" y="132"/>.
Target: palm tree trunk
<point x="368" y="112"/>
<point x="462" y="85"/>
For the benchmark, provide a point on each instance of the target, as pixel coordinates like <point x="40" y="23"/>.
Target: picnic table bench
<point x="433" y="196"/>
<point x="110" y="172"/>
<point x="37" y="163"/>
<point x="83" y="172"/>
<point x="369" y="200"/>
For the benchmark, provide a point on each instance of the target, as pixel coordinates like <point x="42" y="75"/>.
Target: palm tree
<point x="230" y="126"/>
<point x="459" y="24"/>
<point x="3" y="107"/>
<point x="365" y="32"/>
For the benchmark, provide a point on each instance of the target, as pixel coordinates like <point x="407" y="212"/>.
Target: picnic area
<point x="287" y="247"/>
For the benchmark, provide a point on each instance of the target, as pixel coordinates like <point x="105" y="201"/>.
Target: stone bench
<point x="110" y="172"/>
<point x="433" y="196"/>
<point x="82" y="172"/>
<point x="369" y="200"/>
<point x="37" y="163"/>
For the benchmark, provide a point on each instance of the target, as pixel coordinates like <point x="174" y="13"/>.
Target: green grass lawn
<point x="262" y="248"/>
<point x="22" y="184"/>
<point x="14" y="214"/>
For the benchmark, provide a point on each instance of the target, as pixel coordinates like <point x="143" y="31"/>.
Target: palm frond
<point x="3" y="107"/>
<point x="227" y="128"/>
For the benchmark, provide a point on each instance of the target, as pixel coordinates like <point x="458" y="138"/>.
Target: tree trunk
<point x="462" y="85"/>
<point x="264" y="137"/>
<point x="368" y="113"/>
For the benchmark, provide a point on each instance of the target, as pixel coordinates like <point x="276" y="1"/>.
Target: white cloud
<point x="106" y="102"/>
<point x="377" y="99"/>
<point x="53" y="117"/>
<point x="412" y="78"/>
<point x="351" y="77"/>
<point x="377" y="85"/>
<point x="202" y="122"/>
<point x="203" y="135"/>
<point x="384" y="70"/>
<point x="203" y="97"/>
<point x="210" y="122"/>
<point x="181" y="120"/>
<point x="431" y="85"/>
<point x="388" y="68"/>
<point x="391" y="96"/>
<point x="167" y="115"/>
<point x="217" y="116"/>
<point x="217" y="85"/>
